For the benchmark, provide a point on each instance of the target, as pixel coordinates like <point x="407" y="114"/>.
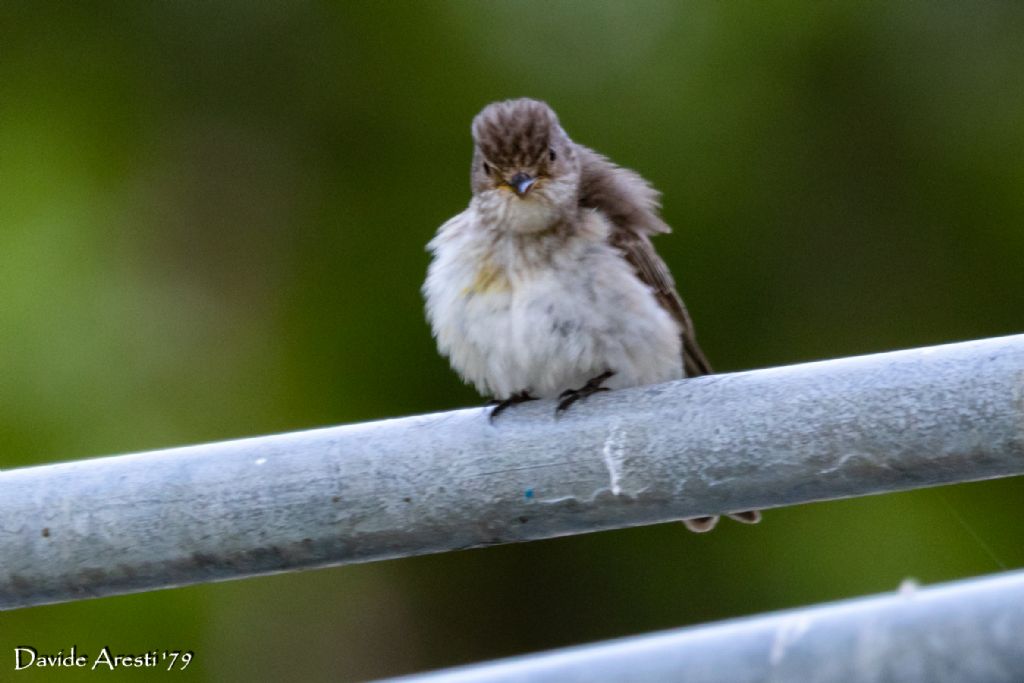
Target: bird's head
<point x="523" y="160"/>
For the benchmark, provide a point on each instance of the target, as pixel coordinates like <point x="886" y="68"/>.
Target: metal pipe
<point x="964" y="632"/>
<point x="442" y="482"/>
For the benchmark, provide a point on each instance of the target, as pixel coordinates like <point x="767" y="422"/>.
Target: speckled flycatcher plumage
<point x="547" y="285"/>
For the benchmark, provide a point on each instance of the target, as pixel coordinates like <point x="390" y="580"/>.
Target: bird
<point x="547" y="285"/>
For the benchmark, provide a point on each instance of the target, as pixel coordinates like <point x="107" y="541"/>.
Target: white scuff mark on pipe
<point x="555" y="501"/>
<point x="840" y="464"/>
<point x="909" y="587"/>
<point x="787" y="634"/>
<point x="613" y="452"/>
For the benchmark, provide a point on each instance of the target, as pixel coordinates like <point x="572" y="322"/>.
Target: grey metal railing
<point x="760" y="439"/>
<point x="965" y="632"/>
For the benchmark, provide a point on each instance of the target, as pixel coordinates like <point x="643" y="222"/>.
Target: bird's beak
<point x="521" y="183"/>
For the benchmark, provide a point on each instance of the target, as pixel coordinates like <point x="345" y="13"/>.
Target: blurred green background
<point x="212" y="221"/>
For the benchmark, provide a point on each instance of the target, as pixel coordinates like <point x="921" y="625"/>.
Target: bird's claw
<point x="570" y="396"/>
<point x="500" y="405"/>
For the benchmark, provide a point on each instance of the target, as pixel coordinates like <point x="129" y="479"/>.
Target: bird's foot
<point x="570" y="396"/>
<point x="746" y="517"/>
<point x="500" y="405"/>
<point x="700" y="525"/>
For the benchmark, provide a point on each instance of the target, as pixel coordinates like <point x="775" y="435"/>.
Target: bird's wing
<point x="631" y="205"/>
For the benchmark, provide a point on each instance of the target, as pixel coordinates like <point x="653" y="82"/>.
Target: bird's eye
<point x="551" y="154"/>
<point x="487" y="168"/>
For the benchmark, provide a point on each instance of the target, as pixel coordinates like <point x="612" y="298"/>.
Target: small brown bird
<point x="547" y="285"/>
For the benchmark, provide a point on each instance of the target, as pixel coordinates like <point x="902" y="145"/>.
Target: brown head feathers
<point x="516" y="132"/>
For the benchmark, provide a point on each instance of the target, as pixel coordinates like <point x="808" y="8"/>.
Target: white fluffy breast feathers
<point x="513" y="314"/>
<point x="504" y="212"/>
